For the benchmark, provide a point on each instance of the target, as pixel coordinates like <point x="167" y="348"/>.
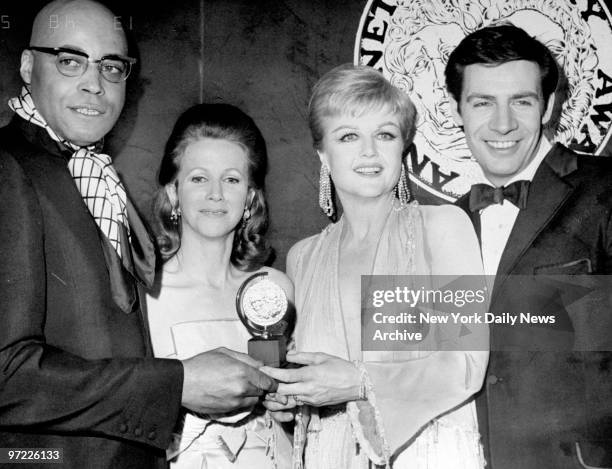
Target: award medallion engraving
<point x="264" y="309"/>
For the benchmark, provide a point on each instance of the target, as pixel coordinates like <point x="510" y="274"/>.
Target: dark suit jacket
<point x="75" y="369"/>
<point x="547" y="402"/>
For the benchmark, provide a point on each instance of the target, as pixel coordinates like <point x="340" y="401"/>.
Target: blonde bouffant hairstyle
<point x="356" y="90"/>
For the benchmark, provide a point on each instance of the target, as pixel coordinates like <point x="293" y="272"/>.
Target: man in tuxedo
<point x="76" y="372"/>
<point x="544" y="218"/>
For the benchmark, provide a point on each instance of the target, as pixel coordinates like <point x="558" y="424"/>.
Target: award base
<point x="271" y="352"/>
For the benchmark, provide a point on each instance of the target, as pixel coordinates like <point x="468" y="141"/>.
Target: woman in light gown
<point x="410" y="409"/>
<point x="212" y="217"/>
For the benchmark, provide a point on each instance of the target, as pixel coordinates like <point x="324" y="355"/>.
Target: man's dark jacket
<point x="76" y="371"/>
<point x="547" y="401"/>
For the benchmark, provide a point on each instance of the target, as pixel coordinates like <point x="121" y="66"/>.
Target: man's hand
<point x="222" y="380"/>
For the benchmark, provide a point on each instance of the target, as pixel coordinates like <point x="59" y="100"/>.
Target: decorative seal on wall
<point x="410" y="41"/>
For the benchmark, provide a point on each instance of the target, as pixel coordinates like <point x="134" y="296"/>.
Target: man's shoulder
<point x="12" y="142"/>
<point x="11" y="159"/>
<point x="16" y="149"/>
<point x="10" y="132"/>
<point x="586" y="171"/>
<point x="585" y="163"/>
<point x="593" y="175"/>
<point x="599" y="167"/>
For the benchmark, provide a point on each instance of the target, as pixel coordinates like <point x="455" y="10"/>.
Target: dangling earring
<point x="325" y="197"/>
<point x="175" y="214"/>
<point x="246" y="215"/>
<point x="402" y="190"/>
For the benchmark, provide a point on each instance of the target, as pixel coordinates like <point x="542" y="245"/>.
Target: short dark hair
<point x="496" y="45"/>
<point x="222" y="121"/>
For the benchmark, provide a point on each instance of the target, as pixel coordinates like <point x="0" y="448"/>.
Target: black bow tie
<point x="483" y="195"/>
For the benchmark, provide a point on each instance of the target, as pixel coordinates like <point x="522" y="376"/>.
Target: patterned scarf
<point x="93" y="174"/>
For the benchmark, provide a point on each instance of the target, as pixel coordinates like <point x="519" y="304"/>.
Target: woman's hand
<point x="280" y="407"/>
<point x="324" y="380"/>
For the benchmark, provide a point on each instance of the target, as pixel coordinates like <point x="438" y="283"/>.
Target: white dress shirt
<point x="497" y="220"/>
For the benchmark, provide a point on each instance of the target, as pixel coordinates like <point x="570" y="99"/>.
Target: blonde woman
<point x="409" y="409"/>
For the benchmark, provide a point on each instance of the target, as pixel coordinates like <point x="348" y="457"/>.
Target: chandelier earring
<point x="402" y="190"/>
<point x="325" y="194"/>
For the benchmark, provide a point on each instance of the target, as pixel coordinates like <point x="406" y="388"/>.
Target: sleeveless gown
<point x="406" y="421"/>
<point x="244" y="440"/>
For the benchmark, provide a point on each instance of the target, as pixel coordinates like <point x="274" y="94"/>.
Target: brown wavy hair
<point x="222" y="121"/>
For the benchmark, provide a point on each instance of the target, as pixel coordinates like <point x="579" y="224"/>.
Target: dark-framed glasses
<point x="74" y="63"/>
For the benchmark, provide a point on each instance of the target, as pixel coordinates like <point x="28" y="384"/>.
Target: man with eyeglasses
<point x="74" y="63"/>
<point x="77" y="381"/>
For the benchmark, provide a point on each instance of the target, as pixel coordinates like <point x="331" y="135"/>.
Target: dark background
<point x="263" y="56"/>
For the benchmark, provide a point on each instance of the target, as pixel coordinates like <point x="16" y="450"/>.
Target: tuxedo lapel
<point x="464" y="204"/>
<point x="547" y="194"/>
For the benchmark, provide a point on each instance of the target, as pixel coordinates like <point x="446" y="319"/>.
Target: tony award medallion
<point x="264" y="310"/>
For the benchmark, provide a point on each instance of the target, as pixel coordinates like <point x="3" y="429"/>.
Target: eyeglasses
<point x="74" y="63"/>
